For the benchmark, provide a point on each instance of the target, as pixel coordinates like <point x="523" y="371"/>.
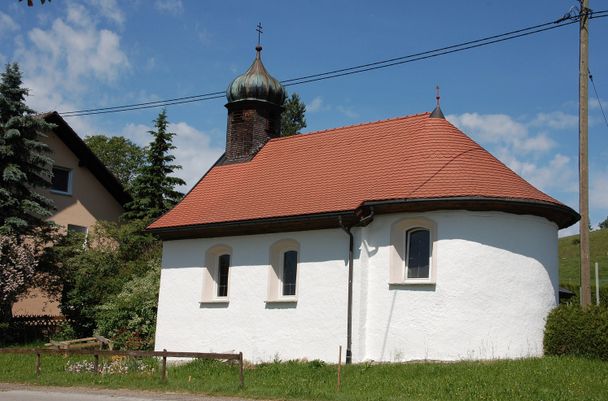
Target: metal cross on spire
<point x="437" y="95"/>
<point x="260" y="31"/>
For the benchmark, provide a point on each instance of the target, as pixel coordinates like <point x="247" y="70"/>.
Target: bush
<point x="577" y="331"/>
<point x="129" y="318"/>
<point x="575" y="300"/>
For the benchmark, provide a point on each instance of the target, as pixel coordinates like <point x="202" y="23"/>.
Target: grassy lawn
<point x="569" y="269"/>
<point x="549" y="378"/>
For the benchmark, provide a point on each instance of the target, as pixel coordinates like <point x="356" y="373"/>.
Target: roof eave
<point x="562" y="215"/>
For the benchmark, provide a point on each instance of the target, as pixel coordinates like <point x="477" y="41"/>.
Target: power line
<point x="598" y="98"/>
<point x="564" y="21"/>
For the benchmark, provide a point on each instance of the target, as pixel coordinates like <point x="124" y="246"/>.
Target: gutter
<point x="363" y="221"/>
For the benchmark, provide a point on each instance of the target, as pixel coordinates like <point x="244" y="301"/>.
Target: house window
<point x="62" y="180"/>
<point x="80" y="230"/>
<point x="290" y="272"/>
<point x="222" y="275"/>
<point x="413" y="256"/>
<point x="216" y="274"/>
<point x="418" y="248"/>
<point x="283" y="272"/>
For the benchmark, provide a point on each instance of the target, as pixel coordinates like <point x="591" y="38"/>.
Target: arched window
<point x="418" y="246"/>
<point x="289" y="272"/>
<point x="216" y="280"/>
<point x="222" y="275"/>
<point x="284" y="271"/>
<point x="413" y="251"/>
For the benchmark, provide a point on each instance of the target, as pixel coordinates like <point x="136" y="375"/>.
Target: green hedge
<point x="573" y="330"/>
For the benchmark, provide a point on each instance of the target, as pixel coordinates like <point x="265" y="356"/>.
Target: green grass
<point x="549" y="378"/>
<point x="569" y="254"/>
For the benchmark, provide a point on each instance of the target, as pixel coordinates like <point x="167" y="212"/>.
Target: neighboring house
<point x="83" y="190"/>
<point x="400" y="239"/>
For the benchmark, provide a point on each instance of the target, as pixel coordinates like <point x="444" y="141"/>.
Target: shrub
<point x="129" y="318"/>
<point x="577" y="331"/>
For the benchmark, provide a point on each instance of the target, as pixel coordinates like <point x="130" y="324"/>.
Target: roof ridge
<point x="306" y="134"/>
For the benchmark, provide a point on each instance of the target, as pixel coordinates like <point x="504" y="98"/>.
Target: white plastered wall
<point x="313" y="327"/>
<point x="497" y="278"/>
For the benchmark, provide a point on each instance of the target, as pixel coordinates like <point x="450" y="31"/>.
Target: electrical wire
<point x="597" y="97"/>
<point x="566" y="20"/>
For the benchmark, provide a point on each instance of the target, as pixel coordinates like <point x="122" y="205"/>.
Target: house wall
<point x="313" y="327"/>
<point x="89" y="201"/>
<point x="497" y="278"/>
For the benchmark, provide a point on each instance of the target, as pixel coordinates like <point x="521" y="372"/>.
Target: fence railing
<point x="136" y="354"/>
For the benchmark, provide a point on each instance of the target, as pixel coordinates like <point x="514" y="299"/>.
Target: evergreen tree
<point x="293" y="118"/>
<point x="25" y="165"/>
<point x="153" y="189"/>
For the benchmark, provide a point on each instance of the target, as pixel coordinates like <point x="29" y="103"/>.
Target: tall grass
<point x="550" y="378"/>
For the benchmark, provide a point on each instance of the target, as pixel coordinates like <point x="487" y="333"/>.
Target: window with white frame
<point x="283" y="274"/>
<point x="216" y="280"/>
<point x="413" y="251"/>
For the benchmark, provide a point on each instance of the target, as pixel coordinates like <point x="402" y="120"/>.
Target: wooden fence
<point x="109" y="353"/>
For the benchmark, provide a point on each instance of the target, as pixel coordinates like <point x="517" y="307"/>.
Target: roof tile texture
<point x="335" y="170"/>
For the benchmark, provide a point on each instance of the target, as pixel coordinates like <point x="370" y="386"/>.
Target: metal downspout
<point x="349" y="319"/>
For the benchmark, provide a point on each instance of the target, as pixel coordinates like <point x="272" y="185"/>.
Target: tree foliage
<point x="25" y="163"/>
<point x="293" y="118"/>
<point x="93" y="275"/>
<point x="18" y="262"/>
<point x="119" y="154"/>
<point x="129" y="318"/>
<point x="153" y="190"/>
<point x="604" y="224"/>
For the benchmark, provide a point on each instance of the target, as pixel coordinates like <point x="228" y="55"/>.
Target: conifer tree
<point x="153" y="189"/>
<point x="25" y="163"/>
<point x="293" y="118"/>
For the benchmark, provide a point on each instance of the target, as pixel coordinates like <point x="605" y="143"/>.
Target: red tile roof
<point x="413" y="157"/>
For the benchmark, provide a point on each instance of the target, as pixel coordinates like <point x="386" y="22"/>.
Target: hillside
<point x="569" y="258"/>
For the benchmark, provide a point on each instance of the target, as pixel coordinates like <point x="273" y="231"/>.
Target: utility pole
<point x="583" y="162"/>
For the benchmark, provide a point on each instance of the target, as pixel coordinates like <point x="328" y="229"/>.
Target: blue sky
<point x="518" y="98"/>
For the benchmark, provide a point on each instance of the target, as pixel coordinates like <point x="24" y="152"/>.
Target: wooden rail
<point x="108" y="353"/>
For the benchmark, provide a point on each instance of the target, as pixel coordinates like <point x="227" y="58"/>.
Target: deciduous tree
<point x="120" y="155"/>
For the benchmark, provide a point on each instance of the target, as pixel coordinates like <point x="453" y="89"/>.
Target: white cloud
<point x="347" y="111"/>
<point x="64" y="61"/>
<point x="7" y="25"/>
<point x="512" y="142"/>
<point x="193" y="150"/>
<point x="110" y="10"/>
<point x="315" y="105"/>
<point x="598" y="192"/>
<point x="555" y="120"/>
<point x="174" y="7"/>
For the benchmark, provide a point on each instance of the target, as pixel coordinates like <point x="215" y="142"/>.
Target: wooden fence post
<point x="241" y="371"/>
<point x="164" y="367"/>
<point x="96" y="363"/>
<point x="339" y="368"/>
<point x="38" y="364"/>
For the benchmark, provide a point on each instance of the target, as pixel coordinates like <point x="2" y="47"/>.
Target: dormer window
<point x="62" y="180"/>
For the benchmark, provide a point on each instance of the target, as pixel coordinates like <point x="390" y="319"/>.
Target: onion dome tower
<point x="255" y="103"/>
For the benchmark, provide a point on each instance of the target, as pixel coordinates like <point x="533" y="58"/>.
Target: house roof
<point x="411" y="163"/>
<point x="86" y="157"/>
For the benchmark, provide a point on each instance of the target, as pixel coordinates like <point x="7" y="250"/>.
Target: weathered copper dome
<point x="256" y="84"/>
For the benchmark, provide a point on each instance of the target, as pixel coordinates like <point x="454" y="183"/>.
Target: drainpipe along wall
<point x="349" y="318"/>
